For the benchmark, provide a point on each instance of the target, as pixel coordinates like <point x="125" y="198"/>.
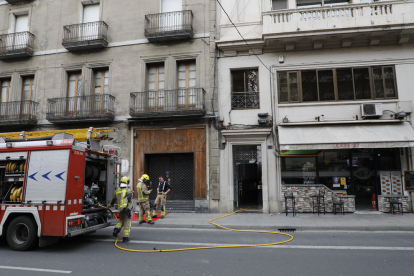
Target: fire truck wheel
<point x="22" y="233"/>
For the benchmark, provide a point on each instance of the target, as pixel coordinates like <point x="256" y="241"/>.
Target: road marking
<point x="35" y="269"/>
<point x="271" y="246"/>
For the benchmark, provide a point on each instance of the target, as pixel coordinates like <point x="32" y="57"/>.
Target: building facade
<point x="315" y="98"/>
<point x="142" y="67"/>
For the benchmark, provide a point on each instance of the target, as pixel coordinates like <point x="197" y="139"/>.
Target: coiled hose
<point x="214" y="247"/>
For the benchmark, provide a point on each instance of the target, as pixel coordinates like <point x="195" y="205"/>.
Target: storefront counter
<point x="304" y="192"/>
<point x="384" y="205"/>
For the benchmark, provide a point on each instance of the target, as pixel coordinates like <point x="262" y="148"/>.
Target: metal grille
<point x="245" y="100"/>
<point x="161" y="23"/>
<point x="165" y="103"/>
<point x="85" y="32"/>
<point x="245" y="155"/>
<point x="18" y="112"/>
<point x="81" y="107"/>
<point x="17" y="42"/>
<point x="181" y="173"/>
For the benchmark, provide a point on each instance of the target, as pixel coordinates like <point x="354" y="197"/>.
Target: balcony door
<point x="4" y="96"/>
<point x="20" y="38"/>
<point x="73" y="102"/>
<point x="90" y="31"/>
<point x="155" y="86"/>
<point x="187" y="96"/>
<point x="101" y="84"/>
<point x="171" y="19"/>
<point x="27" y="93"/>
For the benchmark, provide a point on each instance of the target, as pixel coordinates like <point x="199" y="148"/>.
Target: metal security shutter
<point x="47" y="176"/>
<point x="181" y="172"/>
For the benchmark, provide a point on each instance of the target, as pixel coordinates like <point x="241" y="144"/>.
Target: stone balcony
<point x="391" y="22"/>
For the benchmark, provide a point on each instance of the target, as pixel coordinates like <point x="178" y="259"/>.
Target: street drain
<point x="287" y="230"/>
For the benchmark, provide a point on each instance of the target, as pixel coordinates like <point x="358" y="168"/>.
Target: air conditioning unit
<point x="371" y="110"/>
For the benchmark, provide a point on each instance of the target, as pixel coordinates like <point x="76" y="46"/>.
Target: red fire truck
<point x="53" y="187"/>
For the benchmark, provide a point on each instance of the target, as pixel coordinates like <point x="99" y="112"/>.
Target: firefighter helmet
<point x="124" y="182"/>
<point x="145" y="177"/>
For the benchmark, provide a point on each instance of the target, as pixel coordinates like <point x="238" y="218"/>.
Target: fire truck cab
<point x="53" y="188"/>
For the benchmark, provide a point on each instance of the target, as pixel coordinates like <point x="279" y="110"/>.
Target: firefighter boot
<point x="116" y="232"/>
<point x="125" y="239"/>
<point x="150" y="222"/>
<point x="141" y="221"/>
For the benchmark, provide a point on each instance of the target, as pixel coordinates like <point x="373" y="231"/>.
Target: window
<point x="101" y="81"/>
<point x="90" y="31"/>
<point x="74" y="90"/>
<point x="21" y="23"/>
<point x="4" y="95"/>
<point x="28" y="88"/>
<point x="155" y="85"/>
<point x="5" y="88"/>
<point x="342" y="84"/>
<point x="279" y="4"/>
<point x="245" y="89"/>
<point x="186" y="81"/>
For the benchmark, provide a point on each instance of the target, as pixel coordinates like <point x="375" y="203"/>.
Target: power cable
<point x="242" y="36"/>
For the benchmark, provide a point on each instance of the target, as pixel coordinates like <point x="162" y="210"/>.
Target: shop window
<point x="340" y="84"/>
<point x="299" y="170"/>
<point x="245" y="89"/>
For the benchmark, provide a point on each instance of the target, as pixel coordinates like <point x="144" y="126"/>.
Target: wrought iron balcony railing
<point x="16" y="45"/>
<point x="85" y="36"/>
<point x="245" y="100"/>
<point x="18" y="113"/>
<point x="166" y="103"/>
<point x="169" y="26"/>
<point x="81" y="108"/>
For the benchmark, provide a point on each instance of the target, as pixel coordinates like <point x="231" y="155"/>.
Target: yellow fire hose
<point x="211" y="247"/>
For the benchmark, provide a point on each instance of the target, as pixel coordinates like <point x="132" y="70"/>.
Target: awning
<point x="395" y="135"/>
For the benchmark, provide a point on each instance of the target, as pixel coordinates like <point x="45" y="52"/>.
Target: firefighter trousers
<point x="161" y="199"/>
<point x="124" y="223"/>
<point x="144" y="208"/>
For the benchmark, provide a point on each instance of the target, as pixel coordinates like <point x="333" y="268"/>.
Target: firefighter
<point x="143" y="199"/>
<point x="123" y="198"/>
<point x="163" y="189"/>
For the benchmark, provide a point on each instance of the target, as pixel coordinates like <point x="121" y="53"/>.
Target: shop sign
<point x="343" y="180"/>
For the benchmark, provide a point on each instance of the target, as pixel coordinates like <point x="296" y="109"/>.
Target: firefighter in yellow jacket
<point x="143" y="199"/>
<point x="123" y="198"/>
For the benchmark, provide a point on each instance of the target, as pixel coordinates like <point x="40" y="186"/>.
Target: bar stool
<point x="320" y="202"/>
<point x="338" y="203"/>
<point x="293" y="199"/>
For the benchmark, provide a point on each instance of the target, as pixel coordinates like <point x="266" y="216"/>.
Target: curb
<point x="275" y="228"/>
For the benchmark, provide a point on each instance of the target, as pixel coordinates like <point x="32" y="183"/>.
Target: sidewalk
<point x="364" y="221"/>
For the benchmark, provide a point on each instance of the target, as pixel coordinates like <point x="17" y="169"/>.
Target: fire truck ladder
<point x="81" y="135"/>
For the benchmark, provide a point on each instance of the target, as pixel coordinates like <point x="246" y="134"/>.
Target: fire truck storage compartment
<point x="12" y="171"/>
<point x="46" y="177"/>
<point x="95" y="188"/>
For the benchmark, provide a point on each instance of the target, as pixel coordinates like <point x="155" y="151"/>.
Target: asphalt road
<point x="310" y="253"/>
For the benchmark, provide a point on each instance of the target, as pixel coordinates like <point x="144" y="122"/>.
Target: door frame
<point x="240" y="138"/>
